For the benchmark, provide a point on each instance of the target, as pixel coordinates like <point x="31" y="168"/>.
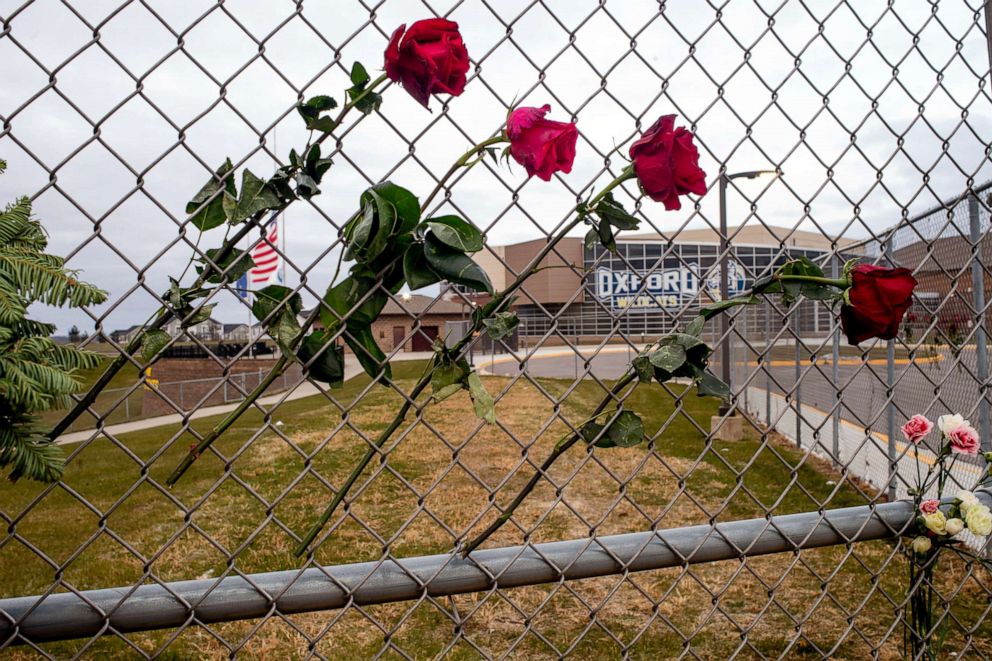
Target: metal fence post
<point x="978" y="300"/>
<point x="768" y="367"/>
<point x="890" y="379"/>
<point x="798" y="388"/>
<point x="835" y="373"/>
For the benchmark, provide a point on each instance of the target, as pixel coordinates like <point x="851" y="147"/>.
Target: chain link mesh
<point x="114" y="113"/>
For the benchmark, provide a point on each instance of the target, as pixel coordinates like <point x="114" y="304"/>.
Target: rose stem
<point x="457" y="349"/>
<point x="164" y="315"/>
<point x="559" y="450"/>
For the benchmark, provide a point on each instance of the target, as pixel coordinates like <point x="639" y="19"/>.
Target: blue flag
<point x="241" y="286"/>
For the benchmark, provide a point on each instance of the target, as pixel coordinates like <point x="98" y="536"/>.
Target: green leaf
<point x="456" y="266"/>
<point x="592" y="238"/>
<point x="359" y="79"/>
<point x="709" y="384"/>
<point x="385" y="222"/>
<point x="369" y="103"/>
<point x="152" y="343"/>
<point x="368" y="353"/>
<point x="645" y="370"/>
<point x="233" y="266"/>
<point x="714" y="309"/>
<point x="311" y="111"/>
<point x="612" y="212"/>
<point x="416" y="270"/>
<point x="816" y="292"/>
<point x="606" y="237"/>
<point x="456" y="233"/>
<point x="200" y="315"/>
<point x="406" y="204"/>
<point x="276" y="307"/>
<point x="683" y="340"/>
<point x="448" y="378"/>
<point x="501" y="325"/>
<point x="482" y="401"/>
<point x="359" y="76"/>
<point x="206" y="209"/>
<point x="284" y="329"/>
<point x="590" y="431"/>
<point x="668" y="358"/>
<point x="766" y="284"/>
<point x="369" y="234"/>
<point x="306" y="186"/>
<point x="256" y="196"/>
<point x="358" y="230"/>
<point x="627" y="430"/>
<point x="696" y="326"/>
<point x="272" y="297"/>
<point x="356" y="299"/>
<point x="325" y="359"/>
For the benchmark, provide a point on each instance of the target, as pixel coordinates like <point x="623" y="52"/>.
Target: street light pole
<point x="725" y="270"/>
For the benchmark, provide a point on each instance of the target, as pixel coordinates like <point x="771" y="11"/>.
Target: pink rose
<point x="430" y="58"/>
<point x="916" y="428"/>
<point x="964" y="439"/>
<point x="541" y="145"/>
<point x="930" y="506"/>
<point x="667" y="163"/>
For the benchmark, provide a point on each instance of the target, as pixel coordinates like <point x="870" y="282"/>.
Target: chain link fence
<point x="778" y="544"/>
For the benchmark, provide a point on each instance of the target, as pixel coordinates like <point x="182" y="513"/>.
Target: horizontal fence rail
<point x="94" y="612"/>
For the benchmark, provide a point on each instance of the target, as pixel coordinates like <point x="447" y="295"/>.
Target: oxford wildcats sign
<point x="666" y="288"/>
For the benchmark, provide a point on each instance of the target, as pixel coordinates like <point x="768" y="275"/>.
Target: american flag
<point x="266" y="258"/>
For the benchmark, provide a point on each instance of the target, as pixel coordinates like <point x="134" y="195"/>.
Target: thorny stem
<point x="165" y="315"/>
<point x="285" y="360"/>
<point x="560" y="448"/>
<point x="459" y="347"/>
<point x="280" y="366"/>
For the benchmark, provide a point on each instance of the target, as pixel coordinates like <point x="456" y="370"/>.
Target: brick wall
<point x="195" y="383"/>
<point x="382" y="329"/>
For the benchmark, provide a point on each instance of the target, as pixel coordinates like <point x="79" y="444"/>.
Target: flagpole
<point x="251" y="342"/>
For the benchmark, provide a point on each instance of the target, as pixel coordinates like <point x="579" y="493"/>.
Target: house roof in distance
<point x="419" y="304"/>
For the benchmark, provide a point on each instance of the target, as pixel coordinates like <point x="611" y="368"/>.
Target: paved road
<point x="931" y="385"/>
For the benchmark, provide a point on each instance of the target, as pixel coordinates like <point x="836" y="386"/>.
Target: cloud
<point x="133" y="121"/>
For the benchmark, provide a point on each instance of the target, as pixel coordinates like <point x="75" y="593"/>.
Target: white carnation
<point x="936" y="522"/>
<point x="954" y="526"/>
<point x="979" y="520"/>
<point x="948" y="423"/>
<point x="921" y="544"/>
<point x="967" y="501"/>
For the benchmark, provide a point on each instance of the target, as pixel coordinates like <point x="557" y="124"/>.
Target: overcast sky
<point x="136" y="118"/>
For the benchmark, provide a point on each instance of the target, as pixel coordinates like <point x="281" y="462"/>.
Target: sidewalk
<point x="304" y="389"/>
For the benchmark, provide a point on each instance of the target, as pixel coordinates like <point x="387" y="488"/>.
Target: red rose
<point x="429" y="59"/>
<point x="541" y="145"/>
<point x="667" y="163"/>
<point x="878" y="297"/>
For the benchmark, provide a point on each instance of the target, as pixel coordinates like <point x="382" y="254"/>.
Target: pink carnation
<point x="929" y="506"/>
<point x="964" y="439"/>
<point x="916" y="428"/>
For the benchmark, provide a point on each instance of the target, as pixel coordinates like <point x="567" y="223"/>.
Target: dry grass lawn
<point x="437" y="484"/>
